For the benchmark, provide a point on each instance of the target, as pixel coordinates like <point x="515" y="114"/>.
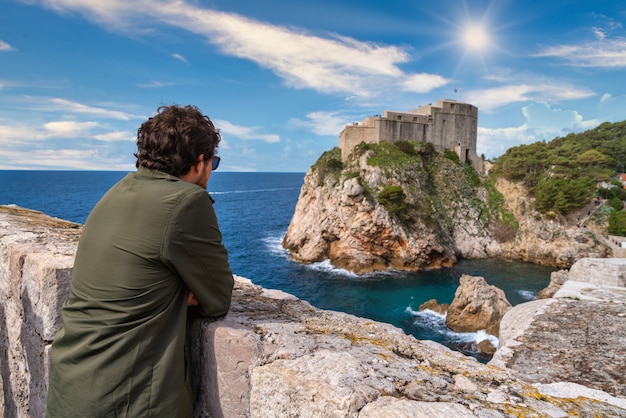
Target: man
<point x="149" y="249"/>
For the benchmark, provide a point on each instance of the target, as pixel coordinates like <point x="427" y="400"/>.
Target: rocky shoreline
<point x="276" y="356"/>
<point x="340" y="216"/>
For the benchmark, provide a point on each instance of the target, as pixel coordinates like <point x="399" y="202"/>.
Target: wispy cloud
<point x="155" y="84"/>
<point x="179" y="58"/>
<point x="604" y="53"/>
<point x="329" y="64"/>
<point x="68" y="129"/>
<point x="61" y="159"/>
<point x="5" y="47"/>
<point x="244" y="132"/>
<point x="525" y="91"/>
<point x="116" y="136"/>
<point x="543" y="123"/>
<point x="322" y="123"/>
<point x="54" y="104"/>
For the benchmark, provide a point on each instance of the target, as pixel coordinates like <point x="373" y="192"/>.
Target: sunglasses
<point x="215" y="163"/>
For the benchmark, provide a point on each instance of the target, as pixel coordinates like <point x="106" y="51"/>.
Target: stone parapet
<point x="575" y="337"/>
<point x="600" y="271"/>
<point x="272" y="356"/>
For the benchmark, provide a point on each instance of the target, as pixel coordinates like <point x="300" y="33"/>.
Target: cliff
<point x="405" y="206"/>
<point x="274" y="355"/>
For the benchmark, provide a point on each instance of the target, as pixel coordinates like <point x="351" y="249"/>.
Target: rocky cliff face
<point x="277" y="356"/>
<point x="342" y="216"/>
<point x="541" y="240"/>
<point x="440" y="212"/>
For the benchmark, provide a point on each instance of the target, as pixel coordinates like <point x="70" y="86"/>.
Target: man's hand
<point x="191" y="299"/>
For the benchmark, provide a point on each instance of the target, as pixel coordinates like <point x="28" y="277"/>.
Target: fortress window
<point x="414" y="118"/>
<point x="399" y="117"/>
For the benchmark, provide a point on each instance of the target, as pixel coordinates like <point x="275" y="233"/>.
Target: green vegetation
<point x="392" y="197"/>
<point x="562" y="174"/>
<point x="395" y="156"/>
<point x="432" y="184"/>
<point x="505" y="226"/>
<point x="329" y="163"/>
<point x="617" y="223"/>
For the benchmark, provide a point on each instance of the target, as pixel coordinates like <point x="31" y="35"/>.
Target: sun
<point x="475" y="37"/>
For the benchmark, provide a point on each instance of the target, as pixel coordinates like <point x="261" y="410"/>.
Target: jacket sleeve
<point x="193" y="248"/>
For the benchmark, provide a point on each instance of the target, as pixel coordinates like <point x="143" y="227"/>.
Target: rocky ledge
<point x="277" y="356"/>
<point x="577" y="336"/>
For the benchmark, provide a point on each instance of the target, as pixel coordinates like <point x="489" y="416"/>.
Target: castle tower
<point x="449" y="125"/>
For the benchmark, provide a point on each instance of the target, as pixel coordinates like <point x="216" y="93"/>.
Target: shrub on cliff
<point x="617" y="223"/>
<point x="392" y="197"/>
<point x="329" y="163"/>
<point x="562" y="173"/>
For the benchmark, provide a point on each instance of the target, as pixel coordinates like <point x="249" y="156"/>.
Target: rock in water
<point x="433" y="305"/>
<point x="477" y="306"/>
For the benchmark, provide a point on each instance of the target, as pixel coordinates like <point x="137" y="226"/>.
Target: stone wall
<point x="449" y="125"/>
<point x="272" y="356"/>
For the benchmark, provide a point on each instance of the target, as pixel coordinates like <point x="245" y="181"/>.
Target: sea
<point x="254" y="211"/>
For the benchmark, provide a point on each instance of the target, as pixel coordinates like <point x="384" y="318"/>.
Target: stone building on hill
<point x="449" y="125"/>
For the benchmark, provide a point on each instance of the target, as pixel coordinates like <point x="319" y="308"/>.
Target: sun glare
<point x="475" y="38"/>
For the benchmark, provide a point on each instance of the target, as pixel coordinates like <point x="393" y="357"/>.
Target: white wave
<point x="277" y="189"/>
<point x="527" y="294"/>
<point x="425" y="313"/>
<point x="275" y="245"/>
<point x="477" y="337"/>
<point x="436" y="322"/>
<point x="327" y="267"/>
<point x="429" y="319"/>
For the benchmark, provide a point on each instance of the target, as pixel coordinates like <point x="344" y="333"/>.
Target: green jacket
<point x="121" y="351"/>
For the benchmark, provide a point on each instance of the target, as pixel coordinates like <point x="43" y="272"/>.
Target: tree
<point x="617" y="223"/>
<point x="616" y="203"/>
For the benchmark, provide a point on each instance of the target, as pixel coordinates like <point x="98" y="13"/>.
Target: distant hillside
<point x="562" y="175"/>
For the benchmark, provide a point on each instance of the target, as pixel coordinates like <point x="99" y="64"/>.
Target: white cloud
<point x="68" y="129"/>
<point x="155" y="84"/>
<point x="5" y="47"/>
<point x="494" y="142"/>
<point x="18" y="134"/>
<point x="543" y="123"/>
<point x="605" y="53"/>
<point x="322" y="123"/>
<point x="244" y="132"/>
<point x="541" y="90"/>
<point x="423" y="83"/>
<point x="179" y="58"/>
<point x="331" y="64"/>
<point x="56" y="104"/>
<point x="116" y="136"/>
<point x="60" y="159"/>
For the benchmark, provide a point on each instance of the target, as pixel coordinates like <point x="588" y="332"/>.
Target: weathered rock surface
<point x="557" y="278"/>
<point x="477" y="306"/>
<point x="273" y="355"/>
<point x="551" y="242"/>
<point x="578" y="336"/>
<point x="338" y="217"/>
<point x="433" y="305"/>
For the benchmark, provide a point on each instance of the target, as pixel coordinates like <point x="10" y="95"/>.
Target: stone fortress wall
<point x="449" y="125"/>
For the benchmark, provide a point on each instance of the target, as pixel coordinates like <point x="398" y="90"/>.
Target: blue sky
<point x="281" y="79"/>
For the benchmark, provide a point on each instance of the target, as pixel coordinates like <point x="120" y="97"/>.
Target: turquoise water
<point x="254" y="211"/>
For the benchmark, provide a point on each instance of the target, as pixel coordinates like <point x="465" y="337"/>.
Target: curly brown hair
<point x="172" y="140"/>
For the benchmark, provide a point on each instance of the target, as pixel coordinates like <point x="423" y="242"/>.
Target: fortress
<point x="449" y="125"/>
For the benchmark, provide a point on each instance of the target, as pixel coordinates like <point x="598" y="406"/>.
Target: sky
<point x="281" y="79"/>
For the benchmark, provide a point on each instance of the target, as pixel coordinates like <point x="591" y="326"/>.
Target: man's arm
<point x="194" y="249"/>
